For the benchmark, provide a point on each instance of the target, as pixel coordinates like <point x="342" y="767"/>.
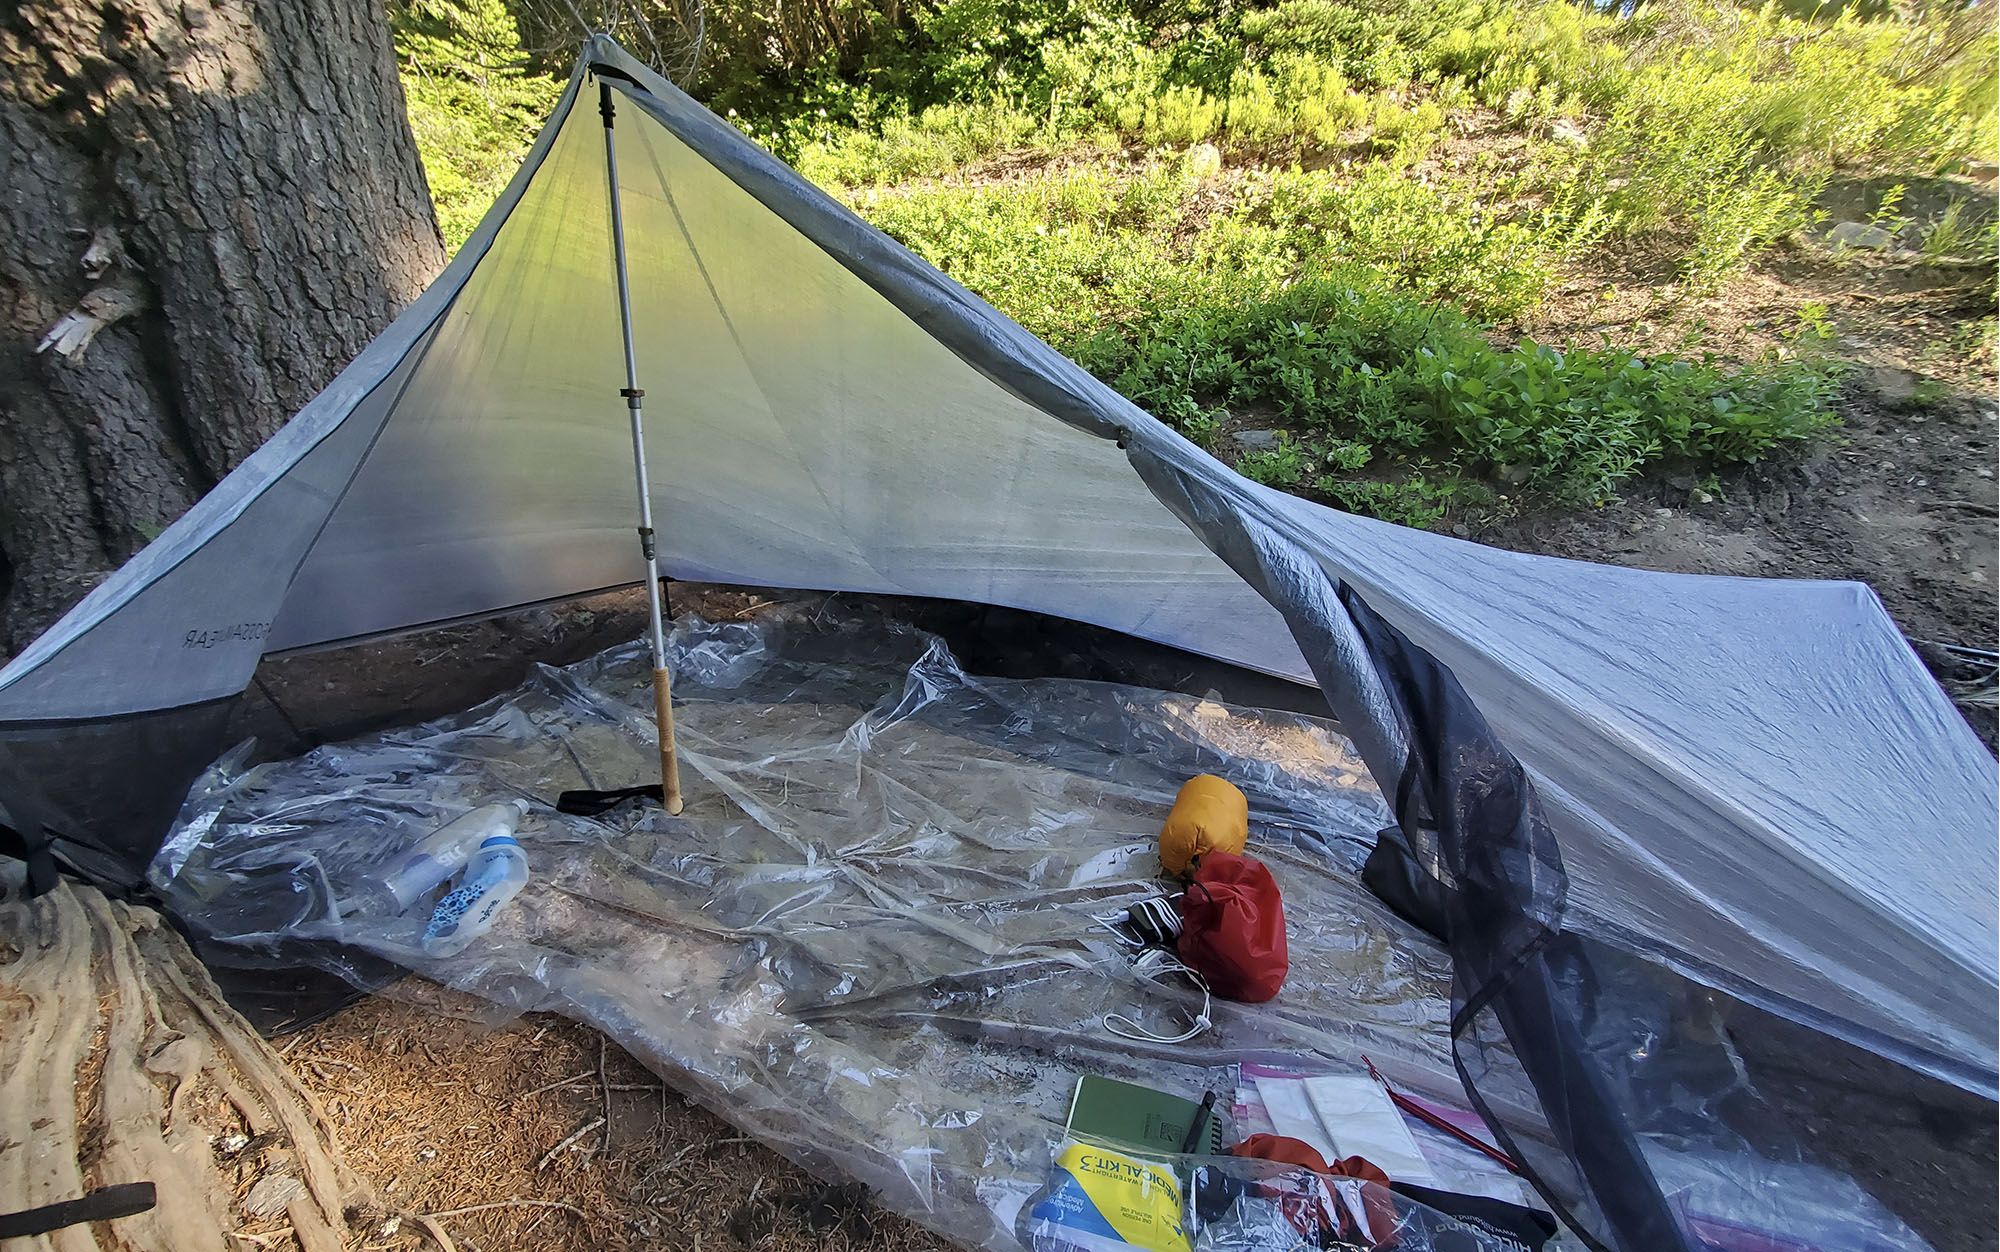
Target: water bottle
<point x="444" y="851"/>
<point x="495" y="875"/>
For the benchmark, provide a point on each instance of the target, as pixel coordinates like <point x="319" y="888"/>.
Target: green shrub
<point x="1952" y="238"/>
<point x="1408" y="134"/>
<point x="1417" y="500"/>
<point x="1286" y="465"/>
<point x="1331" y="304"/>
<point x="1337" y="269"/>
<point x="941" y="139"/>
<point x="1375" y="43"/>
<point x="1723" y="124"/>
<point x="474" y="108"/>
<point x="1704" y="121"/>
<point x="1439" y="241"/>
<point x="1739" y="218"/>
<point x="1516" y="54"/>
<point x="1178" y="115"/>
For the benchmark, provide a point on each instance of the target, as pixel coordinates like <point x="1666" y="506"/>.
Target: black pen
<point x="1199" y="1124"/>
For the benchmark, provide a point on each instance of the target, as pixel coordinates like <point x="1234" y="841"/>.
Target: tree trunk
<point x="209" y="207"/>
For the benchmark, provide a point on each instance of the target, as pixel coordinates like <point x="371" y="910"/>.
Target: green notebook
<point x="1138" y="1117"/>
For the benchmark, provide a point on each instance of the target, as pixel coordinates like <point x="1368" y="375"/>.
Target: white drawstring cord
<point x="1125" y="1028"/>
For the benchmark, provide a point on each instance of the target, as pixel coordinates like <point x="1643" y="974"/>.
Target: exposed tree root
<point x="122" y="1063"/>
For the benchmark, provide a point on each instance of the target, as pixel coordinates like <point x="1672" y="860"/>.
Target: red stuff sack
<point x="1233" y="928"/>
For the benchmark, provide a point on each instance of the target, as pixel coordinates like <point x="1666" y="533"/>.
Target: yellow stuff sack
<point x="1101" y="1200"/>
<point x="1209" y="815"/>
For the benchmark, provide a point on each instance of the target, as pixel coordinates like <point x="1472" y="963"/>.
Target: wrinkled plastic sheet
<point x="870" y="940"/>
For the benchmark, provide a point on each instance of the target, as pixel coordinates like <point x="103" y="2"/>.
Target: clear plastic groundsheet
<point x="872" y="938"/>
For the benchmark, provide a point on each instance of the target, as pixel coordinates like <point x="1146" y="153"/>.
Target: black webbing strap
<point x="597" y="803"/>
<point x="38" y="850"/>
<point x="101" y="1205"/>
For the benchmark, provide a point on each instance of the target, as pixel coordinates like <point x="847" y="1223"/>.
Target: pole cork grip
<point x="670" y="766"/>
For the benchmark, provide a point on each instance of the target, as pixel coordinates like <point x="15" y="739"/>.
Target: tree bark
<point x="222" y="200"/>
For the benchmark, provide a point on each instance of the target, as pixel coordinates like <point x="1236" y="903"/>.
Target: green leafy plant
<point x="1286" y="465"/>
<point x="1418" y="500"/>
<point x="474" y="106"/>
<point x="1952" y="238"/>
<point x="1886" y="214"/>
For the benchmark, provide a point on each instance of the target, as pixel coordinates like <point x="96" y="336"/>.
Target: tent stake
<point x="663" y="700"/>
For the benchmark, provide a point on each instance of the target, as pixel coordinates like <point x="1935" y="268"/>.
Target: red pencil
<point x="1431" y="1119"/>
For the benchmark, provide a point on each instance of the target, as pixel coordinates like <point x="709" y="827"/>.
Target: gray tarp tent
<point x="1754" y="782"/>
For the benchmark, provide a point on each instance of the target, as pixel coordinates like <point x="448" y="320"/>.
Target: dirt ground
<point x="541" y="1133"/>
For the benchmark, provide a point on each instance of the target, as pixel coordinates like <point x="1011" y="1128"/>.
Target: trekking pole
<point x="663" y="700"/>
